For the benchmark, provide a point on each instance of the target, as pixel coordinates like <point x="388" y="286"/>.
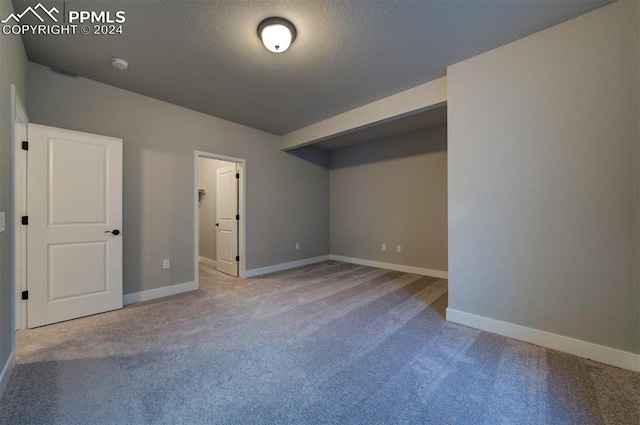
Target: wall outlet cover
<point x="384" y="247"/>
<point x="166" y="264"/>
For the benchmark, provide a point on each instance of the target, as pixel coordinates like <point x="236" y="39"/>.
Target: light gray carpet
<point x="324" y="344"/>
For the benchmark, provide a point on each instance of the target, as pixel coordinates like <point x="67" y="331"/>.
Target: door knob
<point x="114" y="232"/>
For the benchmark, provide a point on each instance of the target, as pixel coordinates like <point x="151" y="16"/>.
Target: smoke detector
<point x="120" y="64"/>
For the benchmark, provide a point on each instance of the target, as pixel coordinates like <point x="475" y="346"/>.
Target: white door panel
<point x="74" y="265"/>
<point x="69" y="160"/>
<point x="76" y="270"/>
<point x="226" y="222"/>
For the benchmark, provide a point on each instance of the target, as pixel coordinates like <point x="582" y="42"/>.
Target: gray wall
<point x="207" y="212"/>
<point x="287" y="197"/>
<point x="543" y="180"/>
<point x="394" y="192"/>
<point x="13" y="70"/>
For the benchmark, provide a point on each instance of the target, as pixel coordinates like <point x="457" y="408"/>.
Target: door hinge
<point x="25" y="146"/>
<point x="237" y="258"/>
<point x="25" y="219"/>
<point x="25" y="295"/>
<point x="237" y="175"/>
<point x="237" y="216"/>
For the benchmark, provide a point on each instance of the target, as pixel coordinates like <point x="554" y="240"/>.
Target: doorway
<point x="219" y="230"/>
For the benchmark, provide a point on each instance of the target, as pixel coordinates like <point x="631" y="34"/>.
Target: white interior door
<point x="226" y="219"/>
<point x="74" y="244"/>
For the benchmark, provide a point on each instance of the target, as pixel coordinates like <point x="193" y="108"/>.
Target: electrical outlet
<point x="297" y="245"/>
<point x="2" y="222"/>
<point x="166" y="264"/>
<point x="384" y="247"/>
<point x="398" y="248"/>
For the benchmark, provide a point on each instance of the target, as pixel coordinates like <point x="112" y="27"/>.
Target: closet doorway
<point x="219" y="212"/>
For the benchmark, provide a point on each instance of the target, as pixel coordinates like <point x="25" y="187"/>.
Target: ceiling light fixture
<point x="120" y="64"/>
<point x="277" y="34"/>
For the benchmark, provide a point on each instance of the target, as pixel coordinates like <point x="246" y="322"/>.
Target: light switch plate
<point x="2" y="222"/>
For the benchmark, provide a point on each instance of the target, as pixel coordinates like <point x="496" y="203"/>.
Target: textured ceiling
<point x="206" y="56"/>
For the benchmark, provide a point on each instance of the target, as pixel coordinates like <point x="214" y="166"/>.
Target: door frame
<point x="242" y="191"/>
<point x="18" y="202"/>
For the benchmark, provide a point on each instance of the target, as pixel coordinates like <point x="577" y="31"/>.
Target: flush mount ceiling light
<point x="277" y="34"/>
<point x="119" y="63"/>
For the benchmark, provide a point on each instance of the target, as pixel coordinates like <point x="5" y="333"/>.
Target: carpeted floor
<point x="330" y="343"/>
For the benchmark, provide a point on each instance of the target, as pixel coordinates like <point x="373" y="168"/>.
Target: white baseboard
<point x="165" y="291"/>
<point x="6" y="372"/>
<point x="207" y="261"/>
<point x="285" y="266"/>
<point x="599" y="353"/>
<point x="389" y="266"/>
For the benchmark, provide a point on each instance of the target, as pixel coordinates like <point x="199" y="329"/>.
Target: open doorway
<point x="219" y="211"/>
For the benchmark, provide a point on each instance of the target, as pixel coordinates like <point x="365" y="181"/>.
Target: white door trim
<point x="243" y="216"/>
<point x="18" y="202"/>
